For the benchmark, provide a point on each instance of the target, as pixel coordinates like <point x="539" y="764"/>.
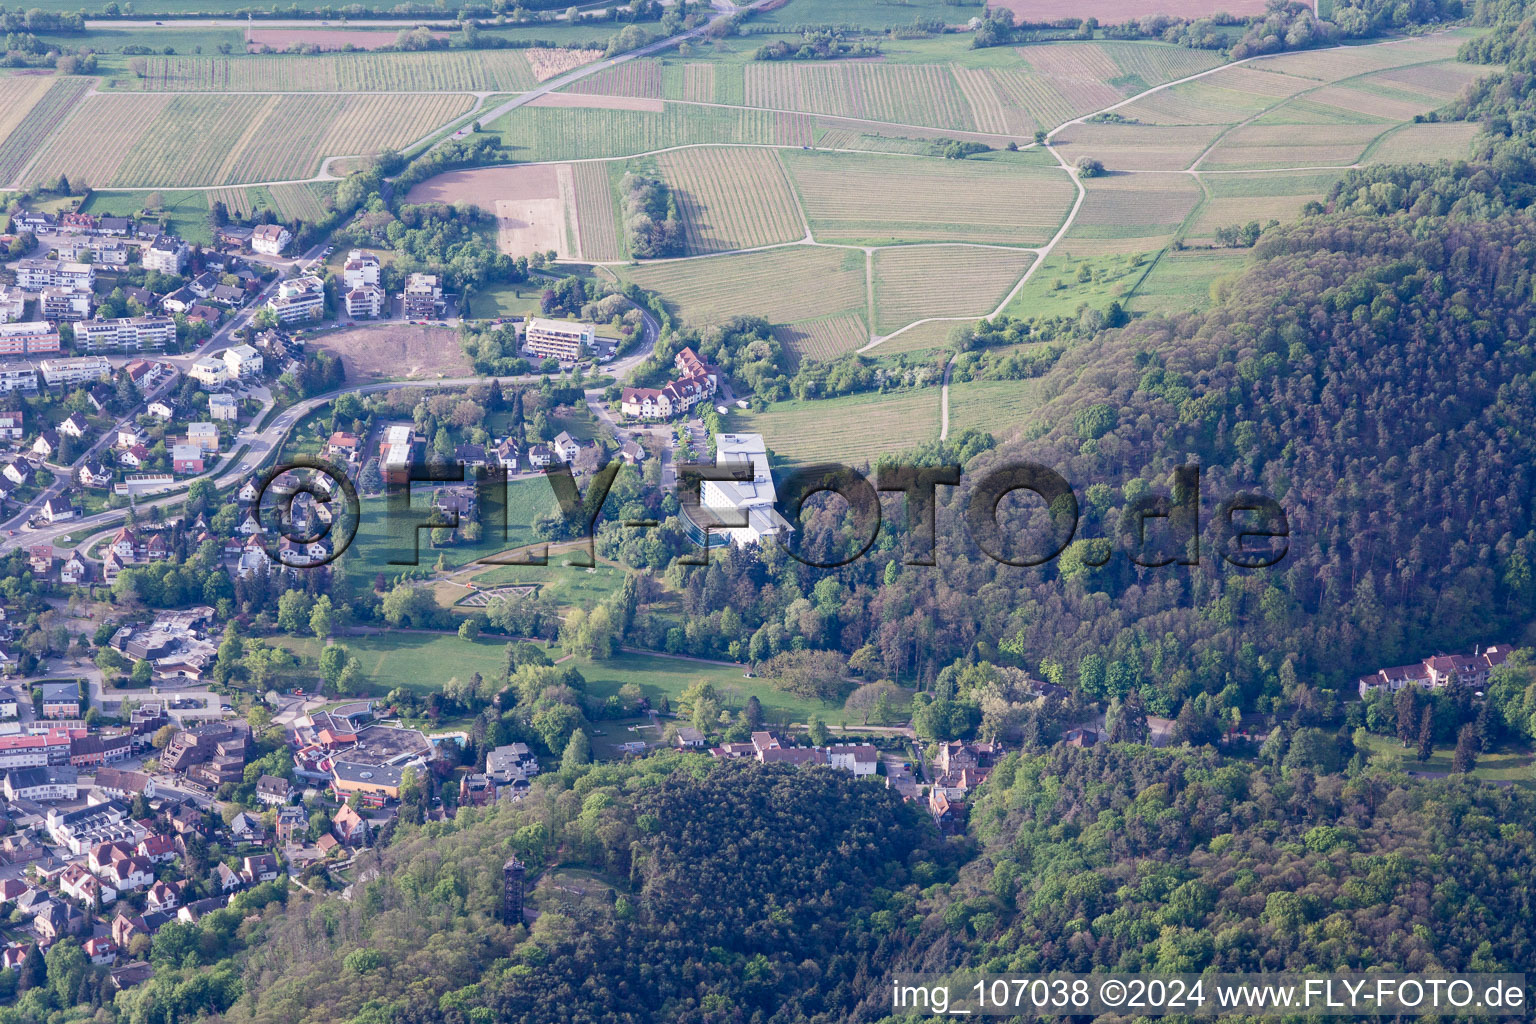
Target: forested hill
<point x="1371" y="373"/>
<point x="742" y="893"/>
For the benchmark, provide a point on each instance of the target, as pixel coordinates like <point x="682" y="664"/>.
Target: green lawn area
<point x="416" y="661"/>
<point x="379" y="540"/>
<point x="1508" y="765"/>
<point x="186" y="210"/>
<point x="571" y="586"/>
<point x="503" y="300"/>
<point x="660" y="676"/>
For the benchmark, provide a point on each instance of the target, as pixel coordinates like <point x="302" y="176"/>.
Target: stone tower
<point x="512" y="873"/>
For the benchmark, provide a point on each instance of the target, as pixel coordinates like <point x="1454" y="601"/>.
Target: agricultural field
<point x="1263" y="146"/>
<point x="1423" y="142"/>
<point x="785" y="285"/>
<point x="996" y="406"/>
<point x="298" y="202"/>
<point x="1132" y="212"/>
<point x="597" y="217"/>
<point x="731" y="198"/>
<point x="921" y="337"/>
<point x="458" y="71"/>
<point x="1112" y="12"/>
<point x="1340" y="62"/>
<point x="566" y="133"/>
<point x="822" y="339"/>
<point x="1135" y="146"/>
<point x="220" y="140"/>
<point x="852" y="430"/>
<point x="919" y="282"/>
<point x="1239" y="198"/>
<point x="35" y="114"/>
<point x="242" y="202"/>
<point x="1007" y="199"/>
<point x="915" y="94"/>
<point x="1181" y="282"/>
<point x="1227" y="96"/>
<point x="533" y="203"/>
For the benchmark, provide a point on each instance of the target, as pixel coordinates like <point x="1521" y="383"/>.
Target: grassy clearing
<point x="785" y="285"/>
<point x="731" y="198"/>
<point x="1499" y="766"/>
<point x="1002" y="198"/>
<point x="850" y="430"/>
<point x="949" y="280"/>
<point x="1071" y="279"/>
<point x="381" y="540"/>
<point x="666" y="677"/>
<point x="1181" y="281"/>
<point x="922" y="338"/>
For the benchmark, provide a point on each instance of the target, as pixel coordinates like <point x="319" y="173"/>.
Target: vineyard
<point x="1141" y="206"/>
<point x="851" y="430"/>
<point x="1330" y="65"/>
<point x="240" y="202"/>
<point x="1260" y="146"/>
<point x="995" y="406"/>
<point x="216" y="140"/>
<point x="456" y="71"/>
<point x="917" y="94"/>
<point x="297" y="203"/>
<point x="783" y="285"/>
<point x="598" y="232"/>
<point x="102" y="132"/>
<point x="563" y="133"/>
<point x="699" y="82"/>
<point x="922" y="337"/>
<point x="1142" y="65"/>
<point x="822" y="339"/>
<point x="878" y="199"/>
<point x="35" y="119"/>
<point x="915" y="283"/>
<point x="1226" y="97"/>
<point x="1415" y="142"/>
<point x="731" y="198"/>
<point x="632" y="78"/>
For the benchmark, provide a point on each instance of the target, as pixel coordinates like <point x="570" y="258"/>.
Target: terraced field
<point x="918" y="282"/>
<point x="598" y="232"/>
<point x="459" y="71"/>
<point x="731" y="198"/>
<point x="1020" y="200"/>
<point x="36" y="113"/>
<point x="851" y="430"/>
<point x="561" y="133"/>
<point x="917" y="94"/>
<point x="786" y="286"/>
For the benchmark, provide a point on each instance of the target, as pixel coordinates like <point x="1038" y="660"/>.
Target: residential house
<point x="101" y="950"/>
<point x="423" y="296"/>
<point x="273" y="791"/>
<point x="298" y="298"/>
<point x="257" y="869"/>
<point x="247" y="828"/>
<point x="223" y="408"/>
<point x="270" y="239"/>
<point x="349" y="827"/>
<point x="186" y="458"/>
<point x="242" y="362"/>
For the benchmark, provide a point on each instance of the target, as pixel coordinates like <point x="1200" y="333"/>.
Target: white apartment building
<point x="243" y="362"/>
<point x="270" y="239"/>
<point x="167" y="254"/>
<point x="222" y="407"/>
<point x="13" y="303"/>
<point x="423" y="294"/>
<point x="32" y="337"/>
<point x="35" y="275"/>
<point x="67" y="304"/>
<point x="361" y="269"/>
<point x="209" y="372"/>
<point x="75" y="370"/>
<point x="128" y="334"/>
<point x="298" y="298"/>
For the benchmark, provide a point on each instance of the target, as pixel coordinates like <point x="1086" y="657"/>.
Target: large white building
<point x="361" y="269"/>
<point x="752" y="500"/>
<point x="13" y="302"/>
<point x="299" y="298"/>
<point x="423" y="294"/>
<point x="558" y="339"/>
<point x="127" y="334"/>
<point x="68" y="304"/>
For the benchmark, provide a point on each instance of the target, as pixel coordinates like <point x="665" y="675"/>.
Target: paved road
<point x="724" y="10"/>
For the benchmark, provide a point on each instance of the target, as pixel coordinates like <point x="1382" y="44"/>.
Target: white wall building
<point x="752" y="500"/>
